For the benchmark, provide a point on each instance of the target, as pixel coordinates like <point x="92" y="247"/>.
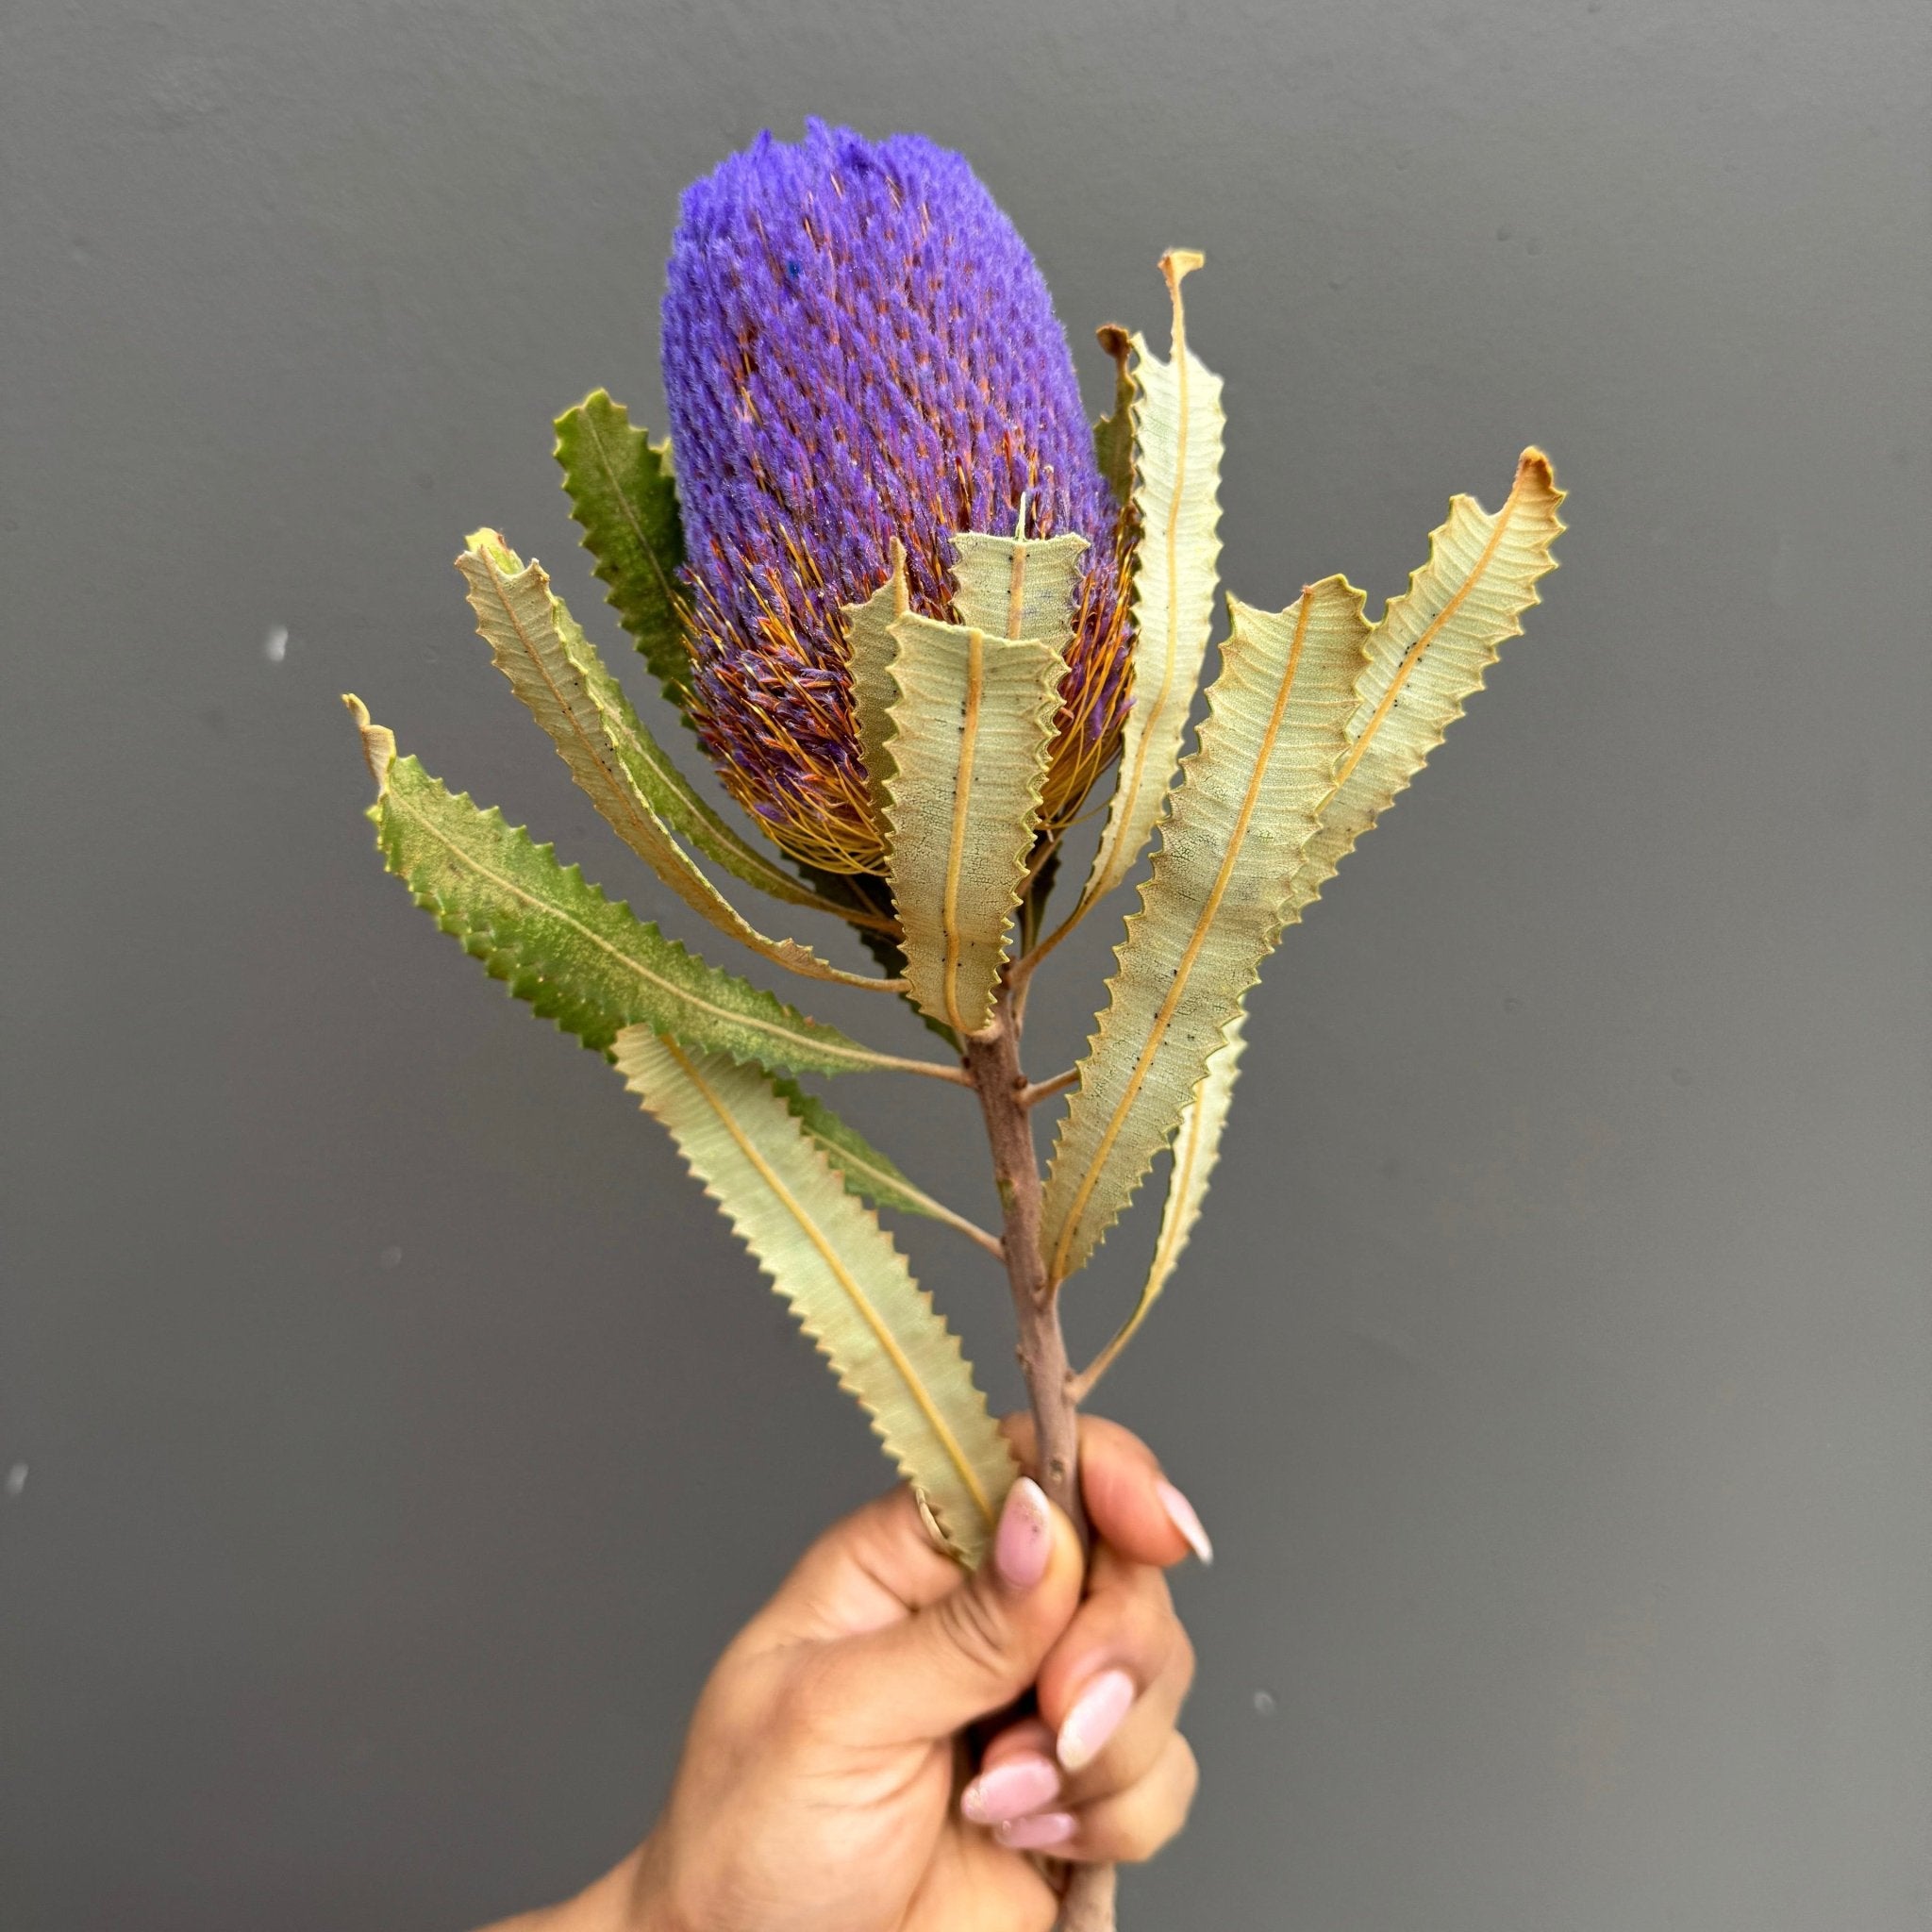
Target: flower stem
<point x="992" y="1060"/>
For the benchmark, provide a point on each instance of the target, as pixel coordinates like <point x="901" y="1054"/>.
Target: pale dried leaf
<point x="971" y="727"/>
<point x="1196" y="1148"/>
<point x="843" y="1278"/>
<point x="552" y="667"/>
<point x="1212" y="904"/>
<point x="1017" y="587"/>
<point x="1430" y="655"/>
<point x="870" y="648"/>
<point x="1178" y="436"/>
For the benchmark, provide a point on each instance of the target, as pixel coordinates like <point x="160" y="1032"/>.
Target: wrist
<point x="647" y="1894"/>
<point x="625" y="1899"/>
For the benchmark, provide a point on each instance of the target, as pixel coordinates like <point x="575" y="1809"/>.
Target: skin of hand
<point x="830" y="1780"/>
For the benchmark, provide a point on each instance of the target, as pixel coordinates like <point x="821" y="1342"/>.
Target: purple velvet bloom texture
<point x="858" y="346"/>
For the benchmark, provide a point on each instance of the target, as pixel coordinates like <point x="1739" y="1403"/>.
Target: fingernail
<point x="1011" y="1790"/>
<point x="1180" y="1512"/>
<point x="1037" y="1833"/>
<point x="1094" y="1719"/>
<point x="1024" y="1539"/>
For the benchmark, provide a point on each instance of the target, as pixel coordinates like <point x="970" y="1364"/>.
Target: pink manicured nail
<point x="1180" y="1512"/>
<point x="1094" y="1719"/>
<point x="1025" y="1539"/>
<point x="1011" y="1790"/>
<point x="1037" y="1833"/>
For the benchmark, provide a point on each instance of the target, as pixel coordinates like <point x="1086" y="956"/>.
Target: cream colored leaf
<point x="1196" y="1148"/>
<point x="556" y="671"/>
<point x="843" y="1278"/>
<point x="1212" y="904"/>
<point x="971" y="725"/>
<point x="870" y="648"/>
<point x="1425" y="658"/>
<point x="1429" y="654"/>
<point x="1177" y="435"/>
<point x="1017" y="587"/>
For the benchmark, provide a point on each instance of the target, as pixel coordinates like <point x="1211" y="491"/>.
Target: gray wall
<point x="392" y="1433"/>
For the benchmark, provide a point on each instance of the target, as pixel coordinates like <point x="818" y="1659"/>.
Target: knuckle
<point x="1185" y="1659"/>
<point x="976" y="1630"/>
<point x="1149" y="1826"/>
<point x="1189" y="1776"/>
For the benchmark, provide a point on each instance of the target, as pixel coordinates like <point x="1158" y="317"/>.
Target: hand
<point x="828" y="1784"/>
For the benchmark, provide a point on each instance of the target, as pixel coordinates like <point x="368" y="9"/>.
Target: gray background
<point x="393" y="1434"/>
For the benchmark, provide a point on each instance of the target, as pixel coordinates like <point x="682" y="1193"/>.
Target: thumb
<point x="973" y="1650"/>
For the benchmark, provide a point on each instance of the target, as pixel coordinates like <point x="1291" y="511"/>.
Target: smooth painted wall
<point x="391" y="1433"/>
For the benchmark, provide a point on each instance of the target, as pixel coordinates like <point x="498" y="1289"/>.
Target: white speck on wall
<point x="275" y="647"/>
<point x="16" y="1479"/>
<point x="391" y="1258"/>
<point x="1264" y="1704"/>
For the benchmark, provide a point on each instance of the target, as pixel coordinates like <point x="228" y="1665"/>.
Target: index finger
<point x="1130" y="1503"/>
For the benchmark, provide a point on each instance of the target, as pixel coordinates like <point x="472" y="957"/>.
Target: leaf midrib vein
<point x="1164" y="1018"/>
<point x="1413" y="655"/>
<point x="1172" y="543"/>
<point x="652" y="835"/>
<point x="859" y="1056"/>
<point x="882" y="1333"/>
<point x="962" y="803"/>
<point x="630" y="515"/>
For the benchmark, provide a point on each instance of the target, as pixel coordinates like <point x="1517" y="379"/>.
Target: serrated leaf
<point x="556" y="671"/>
<point x="870" y="648"/>
<point x="867" y="1171"/>
<point x="1114" y="434"/>
<point x="846" y="1282"/>
<point x="1212" y="904"/>
<point x="581" y="959"/>
<point x="971" y="727"/>
<point x="1017" y="587"/>
<point x="1196" y="1148"/>
<point x="885" y="948"/>
<point x="1430" y="655"/>
<point x="1177" y="425"/>
<point x="621" y="492"/>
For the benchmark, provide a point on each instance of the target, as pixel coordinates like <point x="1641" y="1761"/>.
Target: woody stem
<point x="992" y="1060"/>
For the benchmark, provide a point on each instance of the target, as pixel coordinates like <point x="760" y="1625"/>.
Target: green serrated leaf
<point x="972" y="728"/>
<point x="581" y="959"/>
<point x="1177" y="425"/>
<point x="556" y="671"/>
<point x="1430" y="655"/>
<point x="1196" y="1147"/>
<point x="1212" y="904"/>
<point x="621" y="492"/>
<point x="1114" y="434"/>
<point x="867" y="1171"/>
<point x="843" y="1278"/>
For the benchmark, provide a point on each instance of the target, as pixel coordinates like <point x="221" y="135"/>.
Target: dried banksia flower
<point x="857" y="348"/>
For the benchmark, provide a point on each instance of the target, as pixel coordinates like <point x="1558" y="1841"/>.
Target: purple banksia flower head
<point x="859" y="347"/>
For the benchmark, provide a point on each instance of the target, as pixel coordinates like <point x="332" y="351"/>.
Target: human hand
<point x="829" y="1781"/>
